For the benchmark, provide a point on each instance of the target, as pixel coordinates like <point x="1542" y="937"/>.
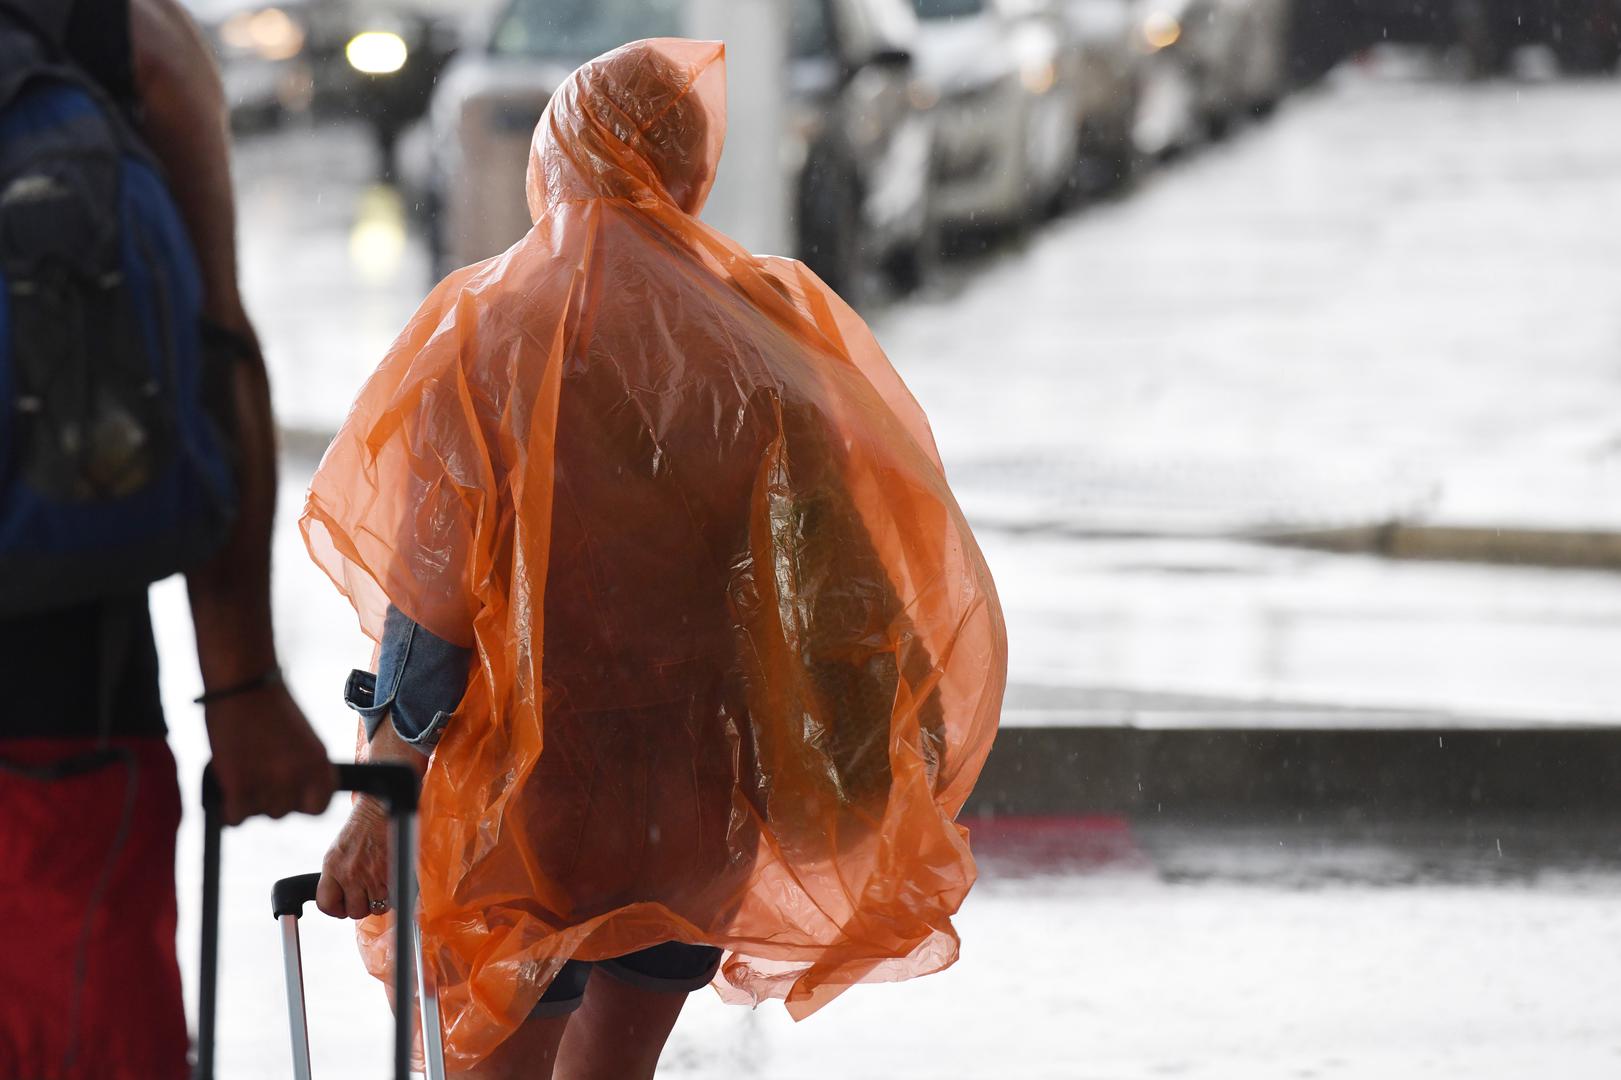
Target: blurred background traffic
<point x="902" y="121"/>
<point x="1273" y="350"/>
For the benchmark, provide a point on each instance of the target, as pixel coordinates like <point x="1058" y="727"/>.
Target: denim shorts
<point x="671" y="968"/>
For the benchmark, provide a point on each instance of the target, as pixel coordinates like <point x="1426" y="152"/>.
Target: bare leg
<point x="619" y="1033"/>
<point x="529" y="1054"/>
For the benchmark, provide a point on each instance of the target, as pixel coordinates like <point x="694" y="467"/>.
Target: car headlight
<point x="1038" y="77"/>
<point x="270" y="33"/>
<point x="1161" y="30"/>
<point x="377" y="52"/>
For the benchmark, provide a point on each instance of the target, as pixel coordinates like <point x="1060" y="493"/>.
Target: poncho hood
<point x="645" y="122"/>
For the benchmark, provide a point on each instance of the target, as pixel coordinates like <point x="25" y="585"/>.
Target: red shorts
<point x="89" y="982"/>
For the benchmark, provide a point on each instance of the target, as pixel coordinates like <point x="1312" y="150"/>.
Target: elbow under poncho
<point x="738" y="659"/>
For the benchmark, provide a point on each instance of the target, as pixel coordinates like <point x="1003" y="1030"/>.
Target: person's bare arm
<point x="267" y="758"/>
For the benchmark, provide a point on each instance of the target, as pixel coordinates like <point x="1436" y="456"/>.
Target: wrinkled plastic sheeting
<point x="739" y="658"/>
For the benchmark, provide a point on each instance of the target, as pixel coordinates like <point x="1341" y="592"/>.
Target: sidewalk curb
<point x="1559" y="548"/>
<point x="1323" y="775"/>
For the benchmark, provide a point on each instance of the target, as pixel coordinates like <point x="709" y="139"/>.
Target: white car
<point x="1102" y="38"/>
<point x="1207" y="64"/>
<point x="1258" y="58"/>
<point x="1006" y="109"/>
<point x="856" y="140"/>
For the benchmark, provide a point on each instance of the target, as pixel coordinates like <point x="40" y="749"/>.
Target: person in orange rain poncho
<point x="725" y="657"/>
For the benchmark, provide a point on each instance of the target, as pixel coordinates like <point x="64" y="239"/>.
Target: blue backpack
<point x="115" y="465"/>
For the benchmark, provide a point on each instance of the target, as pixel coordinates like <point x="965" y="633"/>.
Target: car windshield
<point x="808" y="31"/>
<point x="582" y="28"/>
<point x="947" y="9"/>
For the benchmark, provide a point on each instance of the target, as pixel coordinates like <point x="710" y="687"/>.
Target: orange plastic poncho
<point x="738" y="657"/>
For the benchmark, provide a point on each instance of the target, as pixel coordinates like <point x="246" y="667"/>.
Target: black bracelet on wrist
<point x="258" y="682"/>
<point x="237" y="344"/>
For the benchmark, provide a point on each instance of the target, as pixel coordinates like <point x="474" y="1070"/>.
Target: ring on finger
<point x="378" y="907"/>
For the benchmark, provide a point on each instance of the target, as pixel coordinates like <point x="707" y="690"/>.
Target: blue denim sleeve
<point x="419" y="682"/>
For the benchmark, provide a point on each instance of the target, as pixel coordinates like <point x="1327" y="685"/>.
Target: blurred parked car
<point x="856" y="139"/>
<point x="1043" y="40"/>
<point x="1180" y="55"/>
<point x="1585" y="34"/>
<point x="1111" y="64"/>
<point x="372" y="60"/>
<point x="1007" y="108"/>
<point x="1209" y="62"/>
<point x="264" y="56"/>
<point x="1257" y="66"/>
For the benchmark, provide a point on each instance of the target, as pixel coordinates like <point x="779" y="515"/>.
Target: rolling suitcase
<point x="396" y="786"/>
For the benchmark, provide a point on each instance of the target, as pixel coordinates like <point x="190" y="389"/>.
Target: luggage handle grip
<point x="289" y="895"/>
<point x="396" y="785"/>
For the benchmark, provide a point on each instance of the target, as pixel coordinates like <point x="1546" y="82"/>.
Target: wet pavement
<point x="1121" y="977"/>
<point x="1396" y="298"/>
<point x="1186" y="951"/>
<point x="1284" y="637"/>
<point x="330" y="267"/>
<point x="1106" y="950"/>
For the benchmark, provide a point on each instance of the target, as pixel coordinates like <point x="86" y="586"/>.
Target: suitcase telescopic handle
<point x="288" y="898"/>
<point x="397" y="786"/>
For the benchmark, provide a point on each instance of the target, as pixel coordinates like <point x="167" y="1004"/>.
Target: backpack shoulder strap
<point x="32" y="46"/>
<point x="47" y="19"/>
<point x="28" y="46"/>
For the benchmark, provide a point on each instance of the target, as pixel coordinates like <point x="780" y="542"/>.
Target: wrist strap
<point x="258" y="682"/>
<point x="239" y="345"/>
